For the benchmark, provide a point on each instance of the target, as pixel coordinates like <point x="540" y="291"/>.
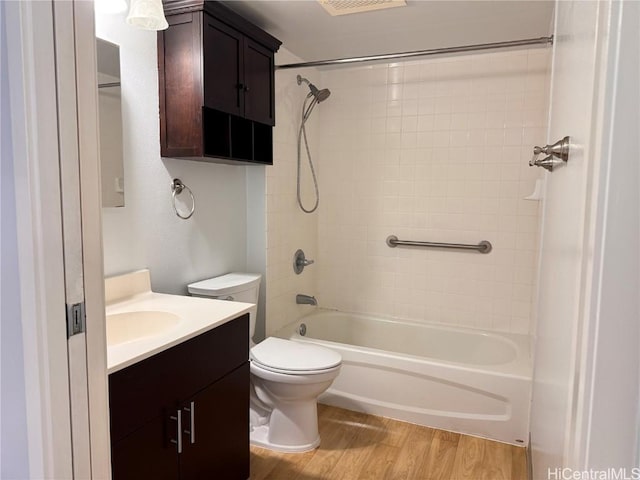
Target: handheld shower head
<point x="320" y="95"/>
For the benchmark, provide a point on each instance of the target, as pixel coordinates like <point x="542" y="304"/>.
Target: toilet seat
<point x="293" y="358"/>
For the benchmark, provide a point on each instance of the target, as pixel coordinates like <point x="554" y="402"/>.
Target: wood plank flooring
<point x="359" y="446"/>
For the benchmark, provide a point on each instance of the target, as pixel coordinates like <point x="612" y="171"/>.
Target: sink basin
<point x="130" y="326"/>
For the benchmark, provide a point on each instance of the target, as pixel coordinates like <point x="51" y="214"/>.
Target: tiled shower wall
<point x="288" y="229"/>
<point x="433" y="150"/>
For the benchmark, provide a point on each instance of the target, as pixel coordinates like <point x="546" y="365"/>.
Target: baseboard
<point x="529" y="460"/>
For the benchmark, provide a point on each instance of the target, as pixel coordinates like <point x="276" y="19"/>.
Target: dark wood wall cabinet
<point x="184" y="412"/>
<point x="216" y="76"/>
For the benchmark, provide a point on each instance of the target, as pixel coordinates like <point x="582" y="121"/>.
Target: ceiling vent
<point x="345" y="7"/>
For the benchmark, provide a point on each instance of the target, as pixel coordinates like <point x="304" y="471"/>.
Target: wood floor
<point x="359" y="446"/>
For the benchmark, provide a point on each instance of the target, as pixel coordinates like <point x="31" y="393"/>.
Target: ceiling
<point x="309" y="32"/>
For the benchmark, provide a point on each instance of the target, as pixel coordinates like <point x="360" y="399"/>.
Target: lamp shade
<point x="147" y="14"/>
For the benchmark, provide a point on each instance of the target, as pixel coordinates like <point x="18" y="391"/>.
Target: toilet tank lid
<point x="225" y="284"/>
<point x="293" y="356"/>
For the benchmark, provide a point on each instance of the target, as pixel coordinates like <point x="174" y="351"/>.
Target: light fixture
<point x="111" y="6"/>
<point x="147" y="14"/>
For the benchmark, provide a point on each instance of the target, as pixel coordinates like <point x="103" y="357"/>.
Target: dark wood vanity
<point x="216" y="80"/>
<point x="184" y="412"/>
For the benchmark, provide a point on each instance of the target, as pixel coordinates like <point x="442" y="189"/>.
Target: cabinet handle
<point x="178" y="441"/>
<point x="192" y="426"/>
<point x="241" y="86"/>
<point x="246" y="88"/>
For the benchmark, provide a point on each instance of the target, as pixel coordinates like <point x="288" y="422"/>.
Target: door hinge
<point x="75" y="319"/>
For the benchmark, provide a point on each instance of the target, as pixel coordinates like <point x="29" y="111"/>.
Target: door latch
<point x="75" y="319"/>
<point x="557" y="154"/>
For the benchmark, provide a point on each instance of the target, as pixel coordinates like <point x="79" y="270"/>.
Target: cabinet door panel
<point x="223" y="76"/>
<point x="180" y="79"/>
<point x="146" y="453"/>
<point x="259" y="79"/>
<point x="221" y="419"/>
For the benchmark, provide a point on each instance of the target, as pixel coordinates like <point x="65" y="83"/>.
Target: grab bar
<point x="483" y="247"/>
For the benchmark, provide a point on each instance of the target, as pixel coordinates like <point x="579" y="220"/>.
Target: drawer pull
<point x="178" y="441"/>
<point x="192" y="426"/>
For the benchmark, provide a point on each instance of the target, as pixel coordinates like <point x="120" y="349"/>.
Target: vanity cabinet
<point x="184" y="412"/>
<point x="216" y="82"/>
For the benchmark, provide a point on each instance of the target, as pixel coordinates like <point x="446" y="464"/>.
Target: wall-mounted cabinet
<point x="216" y="75"/>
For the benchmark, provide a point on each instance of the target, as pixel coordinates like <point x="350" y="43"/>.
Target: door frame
<point x="93" y="257"/>
<point x="31" y="28"/>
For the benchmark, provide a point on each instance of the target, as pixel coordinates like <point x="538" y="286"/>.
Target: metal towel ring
<point x="176" y="189"/>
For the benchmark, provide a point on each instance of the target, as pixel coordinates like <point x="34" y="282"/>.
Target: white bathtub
<point x="462" y="380"/>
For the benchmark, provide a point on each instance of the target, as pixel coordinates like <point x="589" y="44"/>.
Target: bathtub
<point x="462" y="380"/>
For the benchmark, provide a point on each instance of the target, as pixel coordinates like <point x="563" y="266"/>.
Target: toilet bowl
<point x="286" y="376"/>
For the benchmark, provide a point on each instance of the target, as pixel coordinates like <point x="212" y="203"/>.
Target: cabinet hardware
<point x="192" y="425"/>
<point x="178" y="441"/>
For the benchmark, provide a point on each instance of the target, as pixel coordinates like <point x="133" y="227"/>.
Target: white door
<point x="573" y="235"/>
<point x="54" y="123"/>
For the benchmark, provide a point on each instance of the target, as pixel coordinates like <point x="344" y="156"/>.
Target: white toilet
<point x="286" y="376"/>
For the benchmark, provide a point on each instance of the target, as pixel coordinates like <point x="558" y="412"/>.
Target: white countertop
<point x="197" y="315"/>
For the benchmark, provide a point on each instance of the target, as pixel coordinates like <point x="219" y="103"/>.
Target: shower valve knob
<point x="300" y="261"/>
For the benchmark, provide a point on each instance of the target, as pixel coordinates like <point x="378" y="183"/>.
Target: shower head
<point x="320" y="95"/>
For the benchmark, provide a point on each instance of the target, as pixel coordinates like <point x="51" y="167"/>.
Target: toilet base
<point x="259" y="437"/>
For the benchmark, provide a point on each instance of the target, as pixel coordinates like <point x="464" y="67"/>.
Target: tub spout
<point x="305" y="300"/>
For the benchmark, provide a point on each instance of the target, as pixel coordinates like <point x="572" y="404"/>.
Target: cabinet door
<point x="143" y="391"/>
<point x="221" y="420"/>
<point x="180" y="81"/>
<point x="259" y="102"/>
<point x="223" y="59"/>
<point x="147" y="453"/>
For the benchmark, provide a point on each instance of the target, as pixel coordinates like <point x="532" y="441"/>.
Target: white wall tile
<point x="434" y="150"/>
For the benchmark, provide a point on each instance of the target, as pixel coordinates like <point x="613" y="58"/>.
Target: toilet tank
<point x="238" y="287"/>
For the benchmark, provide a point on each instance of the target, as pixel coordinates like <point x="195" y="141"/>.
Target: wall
<point x="257" y="238"/>
<point x="435" y="150"/>
<point x="288" y="228"/>
<point x="14" y="460"/>
<point x="146" y="233"/>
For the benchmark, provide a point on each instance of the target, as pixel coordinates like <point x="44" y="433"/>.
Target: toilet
<point x="286" y="376"/>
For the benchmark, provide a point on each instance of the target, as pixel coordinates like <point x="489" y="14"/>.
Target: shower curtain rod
<point x="542" y="41"/>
